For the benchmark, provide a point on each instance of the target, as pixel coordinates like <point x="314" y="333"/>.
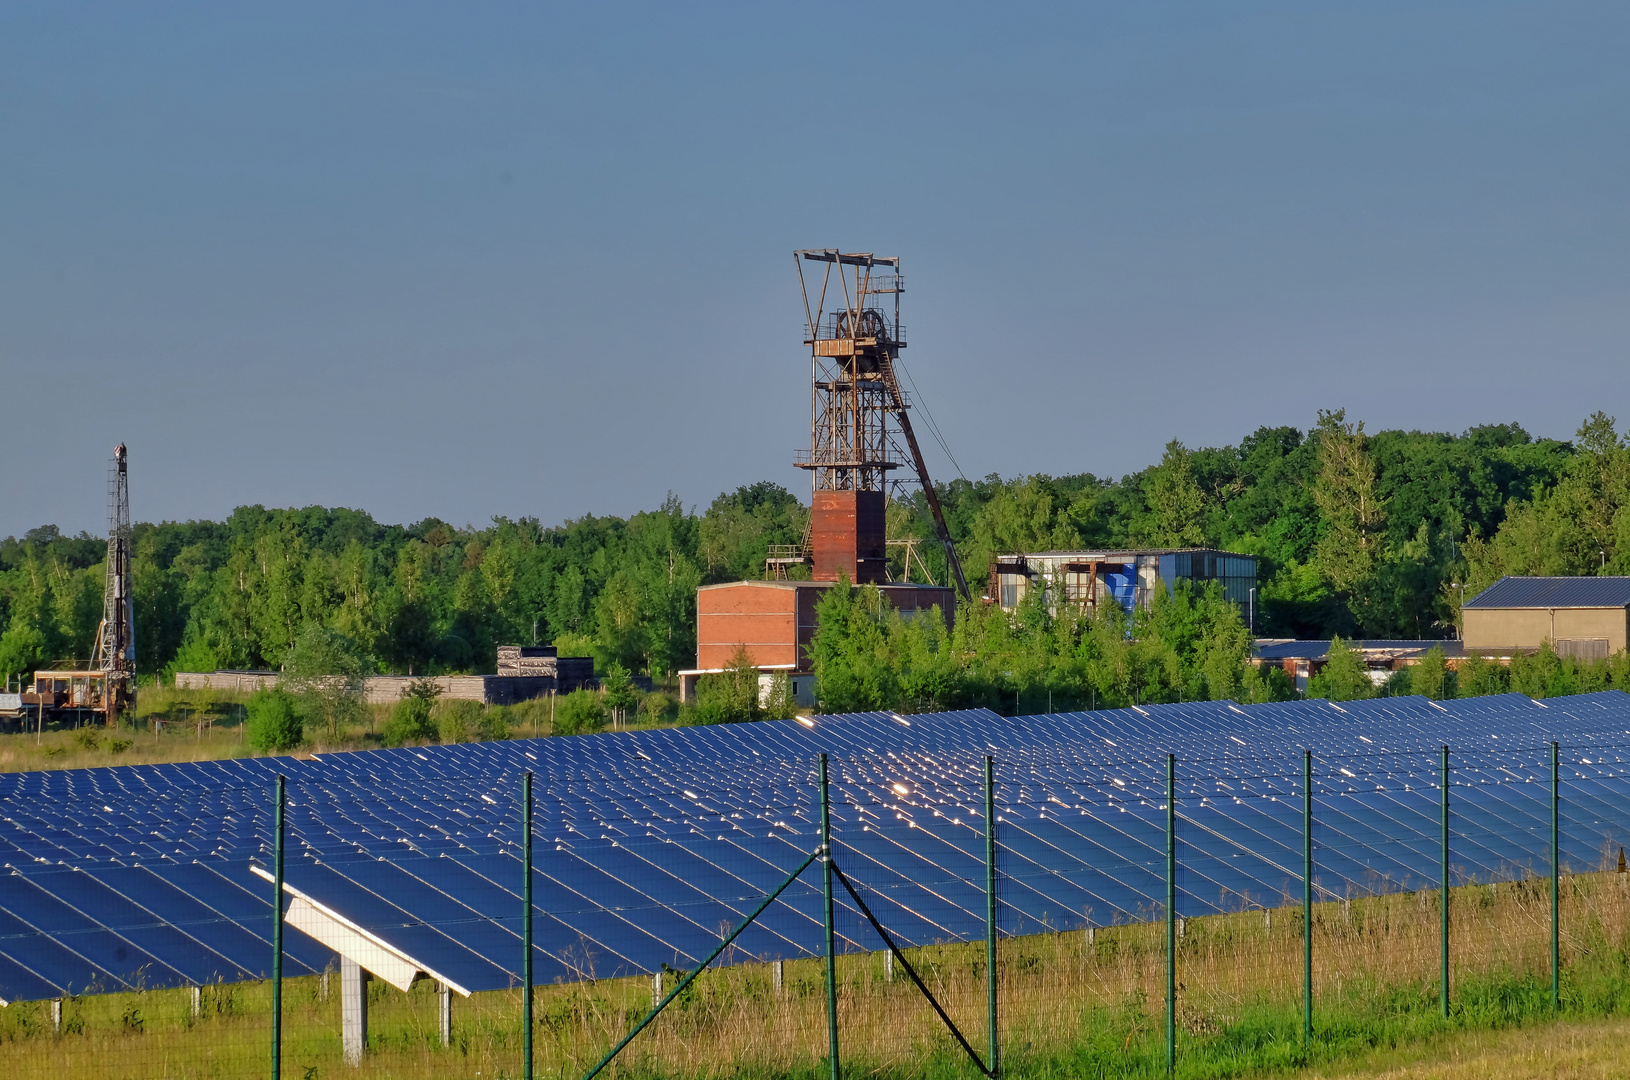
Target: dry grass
<point x="1598" y="1050"/>
<point x="1072" y="1004"/>
<point x="181" y="738"/>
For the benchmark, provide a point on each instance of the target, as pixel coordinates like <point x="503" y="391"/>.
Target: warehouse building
<point x="1301" y="659"/>
<point x="774" y="621"/>
<point x="1584" y="617"/>
<point x="1129" y="576"/>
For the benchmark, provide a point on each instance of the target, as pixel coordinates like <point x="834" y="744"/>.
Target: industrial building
<point x="860" y="432"/>
<point x="1302" y="659"/>
<point x="1584" y="617"/>
<point x="774" y="621"/>
<point x="1129" y="576"/>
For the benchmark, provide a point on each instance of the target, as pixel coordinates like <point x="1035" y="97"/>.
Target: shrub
<point x="1344" y="678"/>
<point x="492" y="724"/>
<point x="86" y="739"/>
<point x="731" y="696"/>
<point x="579" y="713"/>
<point x="274" y="723"/>
<point x="325" y="670"/>
<point x="1432" y="677"/>
<point x="529" y="716"/>
<point x="458" y="721"/>
<point x="617" y="687"/>
<point x="1480" y="675"/>
<point x="656" y="707"/>
<point x="410" y="722"/>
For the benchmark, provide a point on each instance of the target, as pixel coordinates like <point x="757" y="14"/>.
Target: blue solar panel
<point x="649" y="845"/>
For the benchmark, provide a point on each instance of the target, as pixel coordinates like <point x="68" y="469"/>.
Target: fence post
<point x="1443" y="786"/>
<point x="1307" y="899"/>
<point x="993" y="1056"/>
<point x="1556" y="881"/>
<point x="831" y="943"/>
<point x="277" y="934"/>
<point x="1171" y="913"/>
<point x="526" y="925"/>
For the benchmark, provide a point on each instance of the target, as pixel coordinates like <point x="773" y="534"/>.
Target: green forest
<point x="1359" y="534"/>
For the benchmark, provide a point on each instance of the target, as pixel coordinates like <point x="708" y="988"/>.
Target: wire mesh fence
<point x="940" y="910"/>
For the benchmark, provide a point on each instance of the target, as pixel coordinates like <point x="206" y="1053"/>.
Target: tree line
<point x="1357" y="534"/>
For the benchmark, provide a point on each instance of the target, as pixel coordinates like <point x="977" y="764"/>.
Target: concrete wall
<point x="243" y="681"/>
<point x="1525" y="628"/>
<point x="388" y="689"/>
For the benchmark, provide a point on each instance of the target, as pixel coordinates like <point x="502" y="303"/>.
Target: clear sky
<point x="467" y="260"/>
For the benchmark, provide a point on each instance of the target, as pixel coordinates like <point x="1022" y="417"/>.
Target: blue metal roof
<point x="1314" y="649"/>
<point x="1554" y="592"/>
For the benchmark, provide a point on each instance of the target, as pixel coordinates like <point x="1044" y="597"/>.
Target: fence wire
<point x="404" y="918"/>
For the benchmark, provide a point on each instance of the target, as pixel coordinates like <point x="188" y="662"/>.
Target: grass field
<point x="1072" y="1004"/>
<point x="1565" y="1050"/>
<point x="181" y="737"/>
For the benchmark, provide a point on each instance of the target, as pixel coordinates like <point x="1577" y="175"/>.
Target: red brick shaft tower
<point x="854" y="394"/>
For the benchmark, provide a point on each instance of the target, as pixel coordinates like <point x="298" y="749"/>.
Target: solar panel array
<point x="648" y="845"/>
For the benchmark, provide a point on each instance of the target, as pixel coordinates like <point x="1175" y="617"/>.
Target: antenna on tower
<point x="855" y="395"/>
<point x="115" y="653"/>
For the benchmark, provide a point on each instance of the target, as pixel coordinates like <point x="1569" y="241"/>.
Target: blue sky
<point x="521" y="259"/>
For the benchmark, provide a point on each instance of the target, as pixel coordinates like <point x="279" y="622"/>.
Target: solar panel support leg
<point x="656" y="989"/>
<point x="197" y="1002"/>
<point x="56" y="1015"/>
<point x="888" y="967"/>
<point x="777" y="976"/>
<point x="353" y="1010"/>
<point x="444" y="1002"/>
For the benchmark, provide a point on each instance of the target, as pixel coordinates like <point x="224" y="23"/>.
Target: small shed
<point x="1584" y="617"/>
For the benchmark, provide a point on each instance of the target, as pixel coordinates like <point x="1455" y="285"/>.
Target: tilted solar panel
<point x="650" y="845"/>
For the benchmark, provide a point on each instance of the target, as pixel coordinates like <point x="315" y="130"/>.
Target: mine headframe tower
<point x="115" y="654"/>
<point x="858" y="414"/>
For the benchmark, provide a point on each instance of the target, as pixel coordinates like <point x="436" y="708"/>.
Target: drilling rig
<point x="106" y="687"/>
<point x="858" y="417"/>
<point x="115" y="654"/>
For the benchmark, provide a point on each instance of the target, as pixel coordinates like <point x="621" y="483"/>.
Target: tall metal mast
<point x="116" y="637"/>
<point x="852" y="352"/>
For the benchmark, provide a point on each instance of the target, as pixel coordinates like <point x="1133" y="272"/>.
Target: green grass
<point x="1073" y="1005"/>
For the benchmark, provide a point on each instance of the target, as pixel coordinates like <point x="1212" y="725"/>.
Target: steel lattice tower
<point x="116" y="637"/>
<point x="857" y="410"/>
